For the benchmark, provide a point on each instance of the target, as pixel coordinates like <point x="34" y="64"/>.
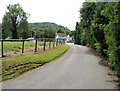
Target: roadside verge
<point x="14" y="66"/>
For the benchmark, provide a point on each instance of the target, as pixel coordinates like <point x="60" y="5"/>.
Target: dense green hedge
<point x="99" y="27"/>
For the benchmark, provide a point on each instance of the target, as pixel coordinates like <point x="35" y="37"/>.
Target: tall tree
<point x="86" y="14"/>
<point x="24" y="30"/>
<point x="49" y="32"/>
<point x="13" y="18"/>
<point x="100" y="28"/>
<point x="97" y="28"/>
<point x="77" y="34"/>
<point x="112" y="34"/>
<point x="60" y="30"/>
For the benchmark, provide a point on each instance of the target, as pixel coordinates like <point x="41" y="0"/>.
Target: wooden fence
<point x="52" y="43"/>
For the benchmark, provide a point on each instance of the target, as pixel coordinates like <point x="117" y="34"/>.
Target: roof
<point x="61" y="34"/>
<point x="30" y="38"/>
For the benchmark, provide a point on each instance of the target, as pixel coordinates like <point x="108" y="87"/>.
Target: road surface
<point x="78" y="68"/>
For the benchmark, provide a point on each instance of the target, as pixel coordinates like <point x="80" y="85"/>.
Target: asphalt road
<point x="78" y="68"/>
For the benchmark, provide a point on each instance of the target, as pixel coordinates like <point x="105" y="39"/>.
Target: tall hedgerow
<point x="99" y="28"/>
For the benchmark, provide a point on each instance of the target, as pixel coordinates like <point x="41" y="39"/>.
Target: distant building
<point x="62" y="36"/>
<point x="31" y="39"/>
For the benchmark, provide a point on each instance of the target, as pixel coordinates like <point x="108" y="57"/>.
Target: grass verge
<point x="14" y="66"/>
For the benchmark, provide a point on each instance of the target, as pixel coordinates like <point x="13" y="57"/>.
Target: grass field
<point x="8" y="46"/>
<point x="14" y="66"/>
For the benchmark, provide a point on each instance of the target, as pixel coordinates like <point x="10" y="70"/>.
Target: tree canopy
<point x="99" y="28"/>
<point x="15" y="17"/>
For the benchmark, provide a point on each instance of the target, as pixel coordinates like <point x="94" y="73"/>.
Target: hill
<point x="39" y="26"/>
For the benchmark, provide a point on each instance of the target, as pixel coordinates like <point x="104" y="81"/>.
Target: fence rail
<point x="57" y="41"/>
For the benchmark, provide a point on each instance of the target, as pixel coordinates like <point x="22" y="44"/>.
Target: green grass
<point x="9" y="46"/>
<point x="14" y="66"/>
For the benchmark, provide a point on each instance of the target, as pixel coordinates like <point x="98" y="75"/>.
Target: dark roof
<point x="61" y="34"/>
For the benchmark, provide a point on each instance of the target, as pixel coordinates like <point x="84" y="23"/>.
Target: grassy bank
<point x="12" y="67"/>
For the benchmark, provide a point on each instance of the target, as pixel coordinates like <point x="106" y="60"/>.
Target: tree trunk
<point x="14" y="31"/>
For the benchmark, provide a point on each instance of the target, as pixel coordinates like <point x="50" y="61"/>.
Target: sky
<point x="61" y="12"/>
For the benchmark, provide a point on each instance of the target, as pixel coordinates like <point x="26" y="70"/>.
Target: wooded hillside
<point x="38" y="26"/>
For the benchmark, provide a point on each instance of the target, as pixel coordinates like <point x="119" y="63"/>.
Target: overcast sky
<point x="62" y="12"/>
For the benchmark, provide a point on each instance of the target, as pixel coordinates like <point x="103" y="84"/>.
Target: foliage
<point x="0" y="31"/>
<point x="60" y="30"/>
<point x="67" y="32"/>
<point x="100" y="29"/>
<point x="47" y="30"/>
<point x="111" y="41"/>
<point x="18" y="27"/>
<point x="24" y="30"/>
<point x="14" y="17"/>
<point x="42" y="25"/>
<point x="77" y="34"/>
<point x="12" y="67"/>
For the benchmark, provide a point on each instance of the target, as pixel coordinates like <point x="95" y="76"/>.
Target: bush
<point x="99" y="27"/>
<point x="113" y="49"/>
<point x="98" y="47"/>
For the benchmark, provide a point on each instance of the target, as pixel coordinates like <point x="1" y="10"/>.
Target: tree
<point x="97" y="29"/>
<point x="13" y="18"/>
<point x="39" y="34"/>
<point x="6" y="31"/>
<point x="0" y="31"/>
<point x="24" y="30"/>
<point x="68" y="32"/>
<point x="112" y="34"/>
<point x="100" y="28"/>
<point x="77" y="34"/>
<point x="86" y="14"/>
<point x="49" y="32"/>
<point x="60" y="30"/>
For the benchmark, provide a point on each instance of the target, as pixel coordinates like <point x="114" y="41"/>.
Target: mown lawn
<point x="14" y="66"/>
<point x="8" y="46"/>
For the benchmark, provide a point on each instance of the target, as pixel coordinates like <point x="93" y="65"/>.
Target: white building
<point x="62" y="36"/>
<point x="31" y="39"/>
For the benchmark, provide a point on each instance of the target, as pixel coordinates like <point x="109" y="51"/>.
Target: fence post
<point x="49" y="44"/>
<point x="2" y="48"/>
<point x="44" y="44"/>
<point x="57" y="42"/>
<point x="61" y="42"/>
<point x="53" y="43"/>
<point x="36" y="45"/>
<point x="64" y="41"/>
<point x="23" y="47"/>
